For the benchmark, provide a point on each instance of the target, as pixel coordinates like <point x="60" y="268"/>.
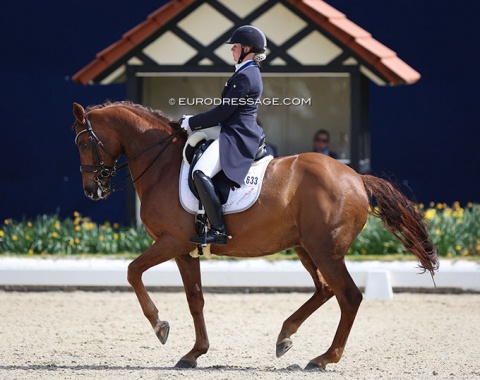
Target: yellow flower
<point x="70" y="243"/>
<point x="7" y="221"/>
<point x="430" y="213"/>
<point x="77" y="241"/>
<point x="458" y="247"/>
<point x="77" y="228"/>
<point x="115" y="225"/>
<point x="115" y="236"/>
<point x="57" y="225"/>
<point x="14" y="237"/>
<point x="449" y="254"/>
<point x="458" y="213"/>
<point x="30" y="252"/>
<point x="102" y="238"/>
<point x="438" y="232"/>
<point x="29" y="224"/>
<point x="27" y="237"/>
<point x="77" y="221"/>
<point x="464" y="252"/>
<point x="469" y="204"/>
<point x="104" y="227"/>
<point x="54" y="235"/>
<point x="89" y="226"/>
<point x="76" y="214"/>
<point x="1" y="233"/>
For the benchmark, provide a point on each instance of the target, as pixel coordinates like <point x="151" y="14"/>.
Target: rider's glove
<point x="185" y="125"/>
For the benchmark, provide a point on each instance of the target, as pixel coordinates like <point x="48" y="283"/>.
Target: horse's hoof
<point x="314" y="367"/>
<point x="161" y="330"/>
<point x="284" y="346"/>
<point x="183" y="364"/>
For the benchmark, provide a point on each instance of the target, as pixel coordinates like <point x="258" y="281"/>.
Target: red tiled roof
<point x="129" y="40"/>
<point x="385" y="61"/>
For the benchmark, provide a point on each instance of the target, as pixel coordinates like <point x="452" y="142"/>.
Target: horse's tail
<point x="400" y="216"/>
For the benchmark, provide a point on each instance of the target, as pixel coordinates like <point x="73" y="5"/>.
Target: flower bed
<point x="453" y="229"/>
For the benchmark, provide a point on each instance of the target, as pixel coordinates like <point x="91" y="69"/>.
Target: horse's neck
<point x="161" y="164"/>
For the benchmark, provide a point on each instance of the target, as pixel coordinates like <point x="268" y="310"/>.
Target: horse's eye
<point x="83" y="146"/>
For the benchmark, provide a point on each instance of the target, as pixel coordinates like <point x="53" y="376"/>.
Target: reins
<point x="101" y="171"/>
<point x="169" y="139"/>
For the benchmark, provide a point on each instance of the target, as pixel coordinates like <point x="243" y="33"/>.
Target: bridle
<point x="102" y="172"/>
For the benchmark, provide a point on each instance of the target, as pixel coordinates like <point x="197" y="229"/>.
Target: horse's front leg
<point x="163" y="250"/>
<point x="190" y="272"/>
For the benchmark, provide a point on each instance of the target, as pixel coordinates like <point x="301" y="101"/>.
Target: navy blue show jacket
<point x="240" y="134"/>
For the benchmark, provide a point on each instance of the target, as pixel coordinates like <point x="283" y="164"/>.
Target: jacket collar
<point x="238" y="66"/>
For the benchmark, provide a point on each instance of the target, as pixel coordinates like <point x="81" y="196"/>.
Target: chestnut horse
<point x="309" y="202"/>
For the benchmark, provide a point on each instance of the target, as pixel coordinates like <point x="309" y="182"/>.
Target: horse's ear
<point x="79" y="112"/>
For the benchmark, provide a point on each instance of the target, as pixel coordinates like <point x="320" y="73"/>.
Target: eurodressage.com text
<point x="241" y="101"/>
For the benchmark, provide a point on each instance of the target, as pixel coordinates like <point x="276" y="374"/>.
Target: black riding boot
<point x="211" y="202"/>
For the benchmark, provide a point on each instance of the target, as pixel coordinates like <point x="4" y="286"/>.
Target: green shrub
<point x="50" y="235"/>
<point x="454" y="230"/>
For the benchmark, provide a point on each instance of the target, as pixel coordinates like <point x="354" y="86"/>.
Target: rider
<point x="240" y="135"/>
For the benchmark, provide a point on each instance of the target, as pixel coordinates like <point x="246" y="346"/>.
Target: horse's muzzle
<point x="97" y="190"/>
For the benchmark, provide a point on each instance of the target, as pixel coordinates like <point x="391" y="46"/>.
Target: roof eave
<point x="383" y="60"/>
<point x="130" y="39"/>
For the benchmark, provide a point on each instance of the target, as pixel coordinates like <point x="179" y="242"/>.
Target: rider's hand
<point x="185" y="125"/>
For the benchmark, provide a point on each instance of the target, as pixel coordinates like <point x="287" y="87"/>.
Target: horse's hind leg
<point x="349" y="298"/>
<point x="322" y="294"/>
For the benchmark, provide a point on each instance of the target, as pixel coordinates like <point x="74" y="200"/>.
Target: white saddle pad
<point x="238" y="200"/>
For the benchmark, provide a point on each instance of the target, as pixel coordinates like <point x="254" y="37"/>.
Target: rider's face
<point x="236" y="51"/>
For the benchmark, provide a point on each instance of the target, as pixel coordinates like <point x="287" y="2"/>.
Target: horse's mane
<point x="125" y="103"/>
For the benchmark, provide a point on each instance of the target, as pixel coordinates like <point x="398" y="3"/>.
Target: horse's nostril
<point x="90" y="190"/>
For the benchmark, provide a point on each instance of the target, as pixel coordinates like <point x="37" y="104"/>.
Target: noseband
<point x="99" y="169"/>
<point x="102" y="171"/>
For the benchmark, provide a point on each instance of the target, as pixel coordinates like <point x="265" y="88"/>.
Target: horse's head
<point x="99" y="151"/>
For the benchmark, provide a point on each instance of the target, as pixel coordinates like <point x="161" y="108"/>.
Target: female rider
<point x="234" y="150"/>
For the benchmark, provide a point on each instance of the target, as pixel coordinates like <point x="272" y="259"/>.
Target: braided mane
<point x="125" y="103"/>
<point x="159" y="114"/>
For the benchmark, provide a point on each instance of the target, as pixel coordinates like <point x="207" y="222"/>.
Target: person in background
<point x="321" y="141"/>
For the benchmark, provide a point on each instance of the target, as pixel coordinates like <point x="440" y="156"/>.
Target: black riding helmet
<point x="249" y="35"/>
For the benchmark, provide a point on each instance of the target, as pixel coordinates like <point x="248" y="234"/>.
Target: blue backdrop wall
<point x="425" y="135"/>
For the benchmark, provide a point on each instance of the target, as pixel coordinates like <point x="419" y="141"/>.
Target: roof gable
<point x="189" y="35"/>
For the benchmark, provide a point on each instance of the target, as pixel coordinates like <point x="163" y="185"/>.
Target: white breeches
<point x="209" y="163"/>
